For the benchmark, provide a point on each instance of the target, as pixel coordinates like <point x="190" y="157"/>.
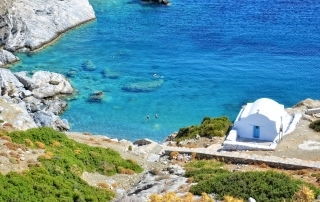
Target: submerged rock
<point x="88" y="66"/>
<point x="143" y="86"/>
<point x="163" y="2"/>
<point x="108" y="73"/>
<point x="96" y="97"/>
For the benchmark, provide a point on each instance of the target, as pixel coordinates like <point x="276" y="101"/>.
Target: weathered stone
<point x="308" y="103"/>
<point x="33" y="104"/>
<point x="56" y="106"/>
<point x="43" y="84"/>
<point x="176" y="170"/>
<point x="9" y="84"/>
<point x="31" y="24"/>
<point x="42" y="118"/>
<point x="25" y="93"/>
<point x="142" y="142"/>
<point x="25" y="80"/>
<point x="7" y="57"/>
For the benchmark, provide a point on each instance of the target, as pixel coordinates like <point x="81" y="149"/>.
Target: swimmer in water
<point x="156" y="116"/>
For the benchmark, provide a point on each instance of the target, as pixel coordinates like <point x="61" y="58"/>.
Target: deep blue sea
<point x="197" y="58"/>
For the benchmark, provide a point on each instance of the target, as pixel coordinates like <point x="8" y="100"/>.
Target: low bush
<point x="315" y="125"/>
<point x="263" y="186"/>
<point x="57" y="178"/>
<point x="210" y="127"/>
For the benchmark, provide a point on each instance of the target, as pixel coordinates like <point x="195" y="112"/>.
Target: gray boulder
<point x="33" y="104"/>
<point x="25" y="80"/>
<point x="56" y="106"/>
<point x="9" y="84"/>
<point x="48" y="84"/>
<point x="176" y="170"/>
<point x="31" y="24"/>
<point x="7" y="57"/>
<point x="48" y="119"/>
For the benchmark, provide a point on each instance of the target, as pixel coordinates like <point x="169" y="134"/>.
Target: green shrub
<point x="58" y="177"/>
<point x="262" y="186"/>
<point x="315" y="125"/>
<point x="209" y="127"/>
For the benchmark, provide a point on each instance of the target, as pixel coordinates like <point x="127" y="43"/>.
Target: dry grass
<point x="6" y="137"/>
<point x="193" y="156"/>
<point x="104" y="185"/>
<point x="77" y="151"/>
<point x="4" y="154"/>
<point x="47" y="155"/>
<point x="174" y="154"/>
<point x="263" y="165"/>
<point x="12" y="146"/>
<point x="190" y="180"/>
<point x="55" y="144"/>
<point x="32" y="162"/>
<point x="8" y="125"/>
<point x="232" y="199"/>
<point x="305" y="194"/>
<point x="75" y="170"/>
<point x="40" y="145"/>
<point x="28" y="142"/>
<point x="114" y="185"/>
<point x="126" y="171"/>
<point x="302" y="172"/>
<point x="14" y="155"/>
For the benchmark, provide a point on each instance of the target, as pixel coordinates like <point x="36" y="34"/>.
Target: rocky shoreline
<point x="30" y="102"/>
<point x="29" y="25"/>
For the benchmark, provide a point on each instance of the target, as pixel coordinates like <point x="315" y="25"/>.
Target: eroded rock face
<point x="30" y="24"/>
<point x="47" y="84"/>
<point x="28" y="99"/>
<point x="7" y="57"/>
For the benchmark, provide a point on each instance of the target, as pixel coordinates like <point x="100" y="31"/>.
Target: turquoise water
<point x="203" y="58"/>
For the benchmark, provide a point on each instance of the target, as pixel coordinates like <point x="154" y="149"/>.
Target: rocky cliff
<point x="30" y="24"/>
<point x="30" y="102"/>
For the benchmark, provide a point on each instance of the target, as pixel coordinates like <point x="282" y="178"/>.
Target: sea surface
<point x="184" y="61"/>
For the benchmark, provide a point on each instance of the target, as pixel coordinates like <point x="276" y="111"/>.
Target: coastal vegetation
<point x="261" y="185"/>
<point x="56" y="177"/>
<point x="315" y="125"/>
<point x="210" y="127"/>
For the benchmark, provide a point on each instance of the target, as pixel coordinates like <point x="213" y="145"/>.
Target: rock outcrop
<point x="30" y="24"/>
<point x="34" y="101"/>
<point x="163" y="2"/>
<point x="143" y="86"/>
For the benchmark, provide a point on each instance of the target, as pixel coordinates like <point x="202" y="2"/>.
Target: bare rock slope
<point x="30" y="24"/>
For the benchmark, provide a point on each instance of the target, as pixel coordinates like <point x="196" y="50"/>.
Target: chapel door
<point x="256" y="131"/>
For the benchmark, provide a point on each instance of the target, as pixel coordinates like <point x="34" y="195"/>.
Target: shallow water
<point x="199" y="58"/>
